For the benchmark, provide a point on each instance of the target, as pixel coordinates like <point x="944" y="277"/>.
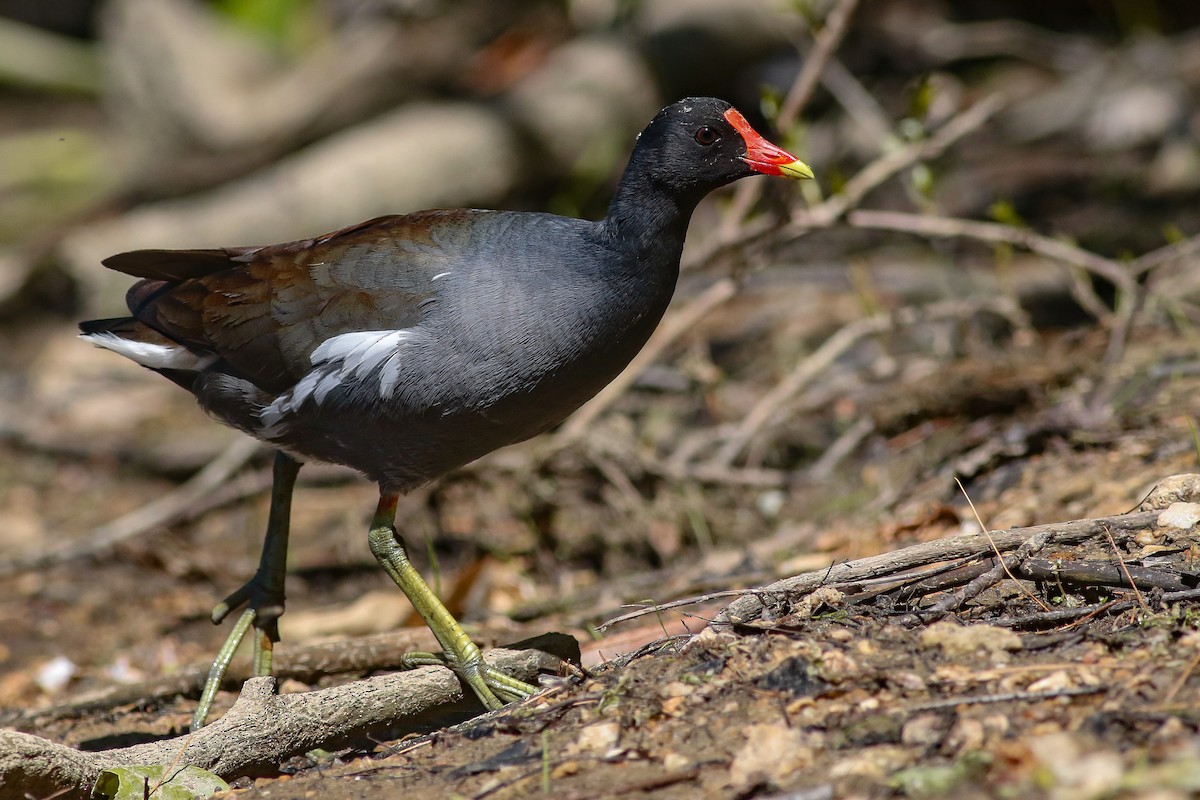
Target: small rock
<point x="596" y="739"/>
<point x="1078" y="769"/>
<point x="770" y="754"/>
<point x="967" y="735"/>
<point x="1056" y="681"/>
<point x="957" y="641"/>
<point x="55" y="674"/>
<point x="1172" y="489"/>
<point x="674" y="762"/>
<point x="823" y="598"/>
<point x="925" y="730"/>
<point x="1182" y="516"/>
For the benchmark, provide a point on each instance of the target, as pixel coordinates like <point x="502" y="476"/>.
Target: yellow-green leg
<point x="263" y="595"/>
<point x="459" y="653"/>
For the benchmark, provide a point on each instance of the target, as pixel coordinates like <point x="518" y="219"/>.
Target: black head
<point x="699" y="143"/>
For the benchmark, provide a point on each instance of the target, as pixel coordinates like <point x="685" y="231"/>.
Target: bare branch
<point x="827" y="41"/>
<point x="800" y="92"/>
<point x="1164" y="255"/>
<point x="996" y="233"/>
<point x="889" y="164"/>
<point x="1060" y="533"/>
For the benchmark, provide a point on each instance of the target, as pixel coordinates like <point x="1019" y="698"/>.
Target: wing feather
<point x="264" y="310"/>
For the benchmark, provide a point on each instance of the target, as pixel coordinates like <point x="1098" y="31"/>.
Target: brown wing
<point x="264" y="309"/>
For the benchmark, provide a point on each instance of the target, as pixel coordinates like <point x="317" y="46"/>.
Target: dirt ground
<point x="847" y="695"/>
<point x="982" y="313"/>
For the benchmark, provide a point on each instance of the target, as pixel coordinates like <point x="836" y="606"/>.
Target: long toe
<point x="494" y="688"/>
<point x="264" y="604"/>
<point x="506" y="686"/>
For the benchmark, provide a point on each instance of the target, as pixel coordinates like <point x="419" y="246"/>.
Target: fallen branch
<point x="304" y="663"/>
<point x="746" y="609"/>
<point x="263" y="728"/>
<point x="1043" y="570"/>
<point x="1004" y="567"/>
<point x="1103" y="573"/>
<point x="1058" y="616"/>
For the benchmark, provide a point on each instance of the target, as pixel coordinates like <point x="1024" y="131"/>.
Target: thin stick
<point x="1164" y="255"/>
<point x="1121" y="562"/>
<point x="837" y="21"/>
<point x="1007" y="697"/>
<point x="974" y="588"/>
<point x="170" y="507"/>
<point x="826" y="43"/>
<point x="1023" y="552"/>
<point x="825" y="355"/>
<point x="889" y="164"/>
<point x="1177" y="686"/>
<point x="1056" y="249"/>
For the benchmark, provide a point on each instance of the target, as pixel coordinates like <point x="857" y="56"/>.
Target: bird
<point x="409" y="345"/>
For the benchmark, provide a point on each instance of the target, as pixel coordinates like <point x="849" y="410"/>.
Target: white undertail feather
<point x="342" y="360"/>
<point x="148" y="354"/>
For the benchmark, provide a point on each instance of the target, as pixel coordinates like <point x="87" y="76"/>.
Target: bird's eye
<point x="706" y="136"/>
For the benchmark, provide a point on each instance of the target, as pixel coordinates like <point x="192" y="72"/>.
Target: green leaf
<point x="155" y="782"/>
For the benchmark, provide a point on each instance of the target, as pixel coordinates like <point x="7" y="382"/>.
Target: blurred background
<point x="747" y="447"/>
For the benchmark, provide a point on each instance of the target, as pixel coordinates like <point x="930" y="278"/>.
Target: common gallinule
<point x="407" y="346"/>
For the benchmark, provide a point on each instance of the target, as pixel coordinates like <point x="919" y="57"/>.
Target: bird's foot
<point x="494" y="688"/>
<point x="264" y="606"/>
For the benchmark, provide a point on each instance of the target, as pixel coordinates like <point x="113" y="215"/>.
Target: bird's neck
<point x="646" y="219"/>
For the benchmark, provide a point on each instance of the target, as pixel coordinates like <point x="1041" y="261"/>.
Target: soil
<point x="842" y="694"/>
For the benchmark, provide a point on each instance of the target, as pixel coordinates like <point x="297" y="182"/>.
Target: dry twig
<point x="825" y="45"/>
<point x="166" y="509"/>
<point x="804" y="372"/>
<point x="1004" y="567"/>
<point x="750" y="607"/>
<point x="924" y="225"/>
<point x="889" y="164"/>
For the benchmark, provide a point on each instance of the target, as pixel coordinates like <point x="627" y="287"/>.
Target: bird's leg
<point x="459" y="653"/>
<point x="263" y="595"/>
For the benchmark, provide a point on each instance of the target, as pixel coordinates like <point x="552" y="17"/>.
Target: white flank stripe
<point x="343" y="360"/>
<point x="375" y="354"/>
<point x="341" y="347"/>
<point x="389" y="376"/>
<point x="326" y="385"/>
